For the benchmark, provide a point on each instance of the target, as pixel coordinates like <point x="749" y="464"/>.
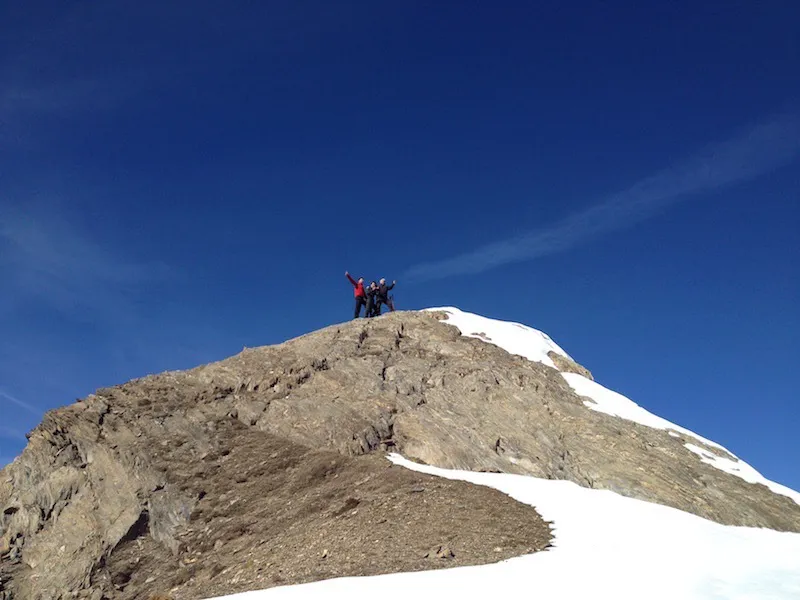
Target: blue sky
<point x="177" y="182"/>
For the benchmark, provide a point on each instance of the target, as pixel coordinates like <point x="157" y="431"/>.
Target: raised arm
<point x="388" y="287"/>
<point x="353" y="281"/>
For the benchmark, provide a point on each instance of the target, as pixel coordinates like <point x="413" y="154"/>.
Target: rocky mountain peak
<point x="266" y="468"/>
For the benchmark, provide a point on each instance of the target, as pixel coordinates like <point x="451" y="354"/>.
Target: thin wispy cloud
<point x="756" y="151"/>
<point x="63" y="287"/>
<point x="12" y="434"/>
<point x="20" y="403"/>
<point x="61" y="68"/>
<point x="47" y="259"/>
<point x="54" y="71"/>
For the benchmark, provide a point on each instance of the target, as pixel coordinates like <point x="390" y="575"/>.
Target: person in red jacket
<point x="358" y="292"/>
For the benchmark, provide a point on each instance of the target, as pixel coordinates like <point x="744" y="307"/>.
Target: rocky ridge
<point x="191" y="471"/>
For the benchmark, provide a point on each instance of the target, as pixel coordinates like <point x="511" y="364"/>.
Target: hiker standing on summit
<point x="358" y="292"/>
<point x="382" y="296"/>
<point x="372" y="298"/>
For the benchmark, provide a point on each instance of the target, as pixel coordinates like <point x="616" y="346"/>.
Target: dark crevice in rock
<point x="139" y="528"/>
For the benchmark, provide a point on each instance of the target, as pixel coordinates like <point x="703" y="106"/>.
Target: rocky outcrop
<point x="162" y="486"/>
<point x="567" y="365"/>
<point x="283" y="443"/>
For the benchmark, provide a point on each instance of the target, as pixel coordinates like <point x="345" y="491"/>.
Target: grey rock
<point x="94" y="473"/>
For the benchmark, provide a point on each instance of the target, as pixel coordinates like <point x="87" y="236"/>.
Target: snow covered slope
<point x="514" y="338"/>
<point x="534" y="345"/>
<point x="606" y="547"/>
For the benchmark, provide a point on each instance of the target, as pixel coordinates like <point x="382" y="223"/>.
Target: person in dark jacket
<point x="382" y="296"/>
<point x="358" y="292"/>
<point x="371" y="290"/>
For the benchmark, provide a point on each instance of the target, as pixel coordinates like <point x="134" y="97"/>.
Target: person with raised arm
<point x="358" y="292"/>
<point x="382" y="296"/>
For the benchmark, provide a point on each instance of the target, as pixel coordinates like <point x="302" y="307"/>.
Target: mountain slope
<point x="154" y="473"/>
<point x="412" y="383"/>
<point x="606" y="546"/>
<point x="537" y="346"/>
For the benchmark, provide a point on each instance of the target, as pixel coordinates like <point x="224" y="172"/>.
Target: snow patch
<point x="534" y="345"/>
<point x="606" y="546"/>
<point x="615" y="404"/>
<point x="612" y="403"/>
<point x="742" y="469"/>
<point x="514" y="338"/>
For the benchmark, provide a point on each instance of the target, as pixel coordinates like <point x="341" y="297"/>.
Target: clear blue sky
<point x="179" y="180"/>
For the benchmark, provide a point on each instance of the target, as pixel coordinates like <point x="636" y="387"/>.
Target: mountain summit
<point x="268" y="468"/>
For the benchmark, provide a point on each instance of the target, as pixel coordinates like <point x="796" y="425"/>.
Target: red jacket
<point x="359" y="288"/>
